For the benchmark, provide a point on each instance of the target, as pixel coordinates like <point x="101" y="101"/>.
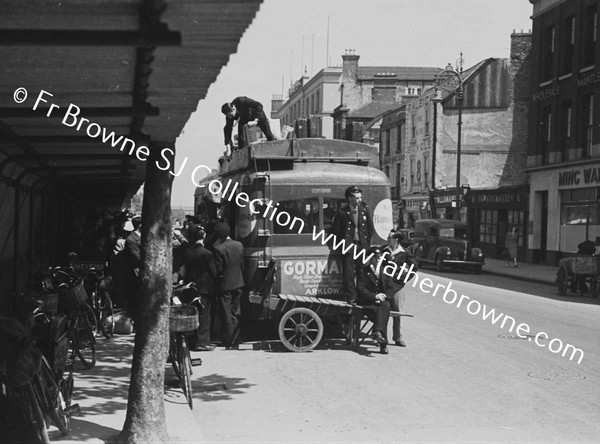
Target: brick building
<point x="564" y="145"/>
<point x="493" y="155"/>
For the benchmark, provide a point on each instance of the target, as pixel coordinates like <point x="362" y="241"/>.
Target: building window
<point x="590" y="28"/>
<point x="387" y="143"/>
<point x="399" y="139"/>
<point x="318" y="100"/>
<point x="387" y="171"/>
<point x="566" y="130"/>
<point x="545" y="133"/>
<point x="383" y="138"/>
<point x="412" y="173"/>
<point x="426" y="121"/>
<point x="547" y="53"/>
<point x="413" y="128"/>
<point x="588" y="124"/>
<point x="488" y="226"/>
<point x="426" y="170"/>
<point x="397" y="196"/>
<point x="568" y="45"/>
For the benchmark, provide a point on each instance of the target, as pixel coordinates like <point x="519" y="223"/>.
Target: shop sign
<point x="546" y="94"/>
<point x="579" y="176"/>
<point x="414" y="204"/>
<point x="496" y="198"/>
<point x="311" y="276"/>
<point x="589" y="79"/>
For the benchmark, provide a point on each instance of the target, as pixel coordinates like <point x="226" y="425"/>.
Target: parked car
<point x="444" y="242"/>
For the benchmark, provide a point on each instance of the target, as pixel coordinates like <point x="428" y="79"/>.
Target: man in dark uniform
<point x="229" y="259"/>
<point x="199" y="268"/>
<point x="247" y="112"/>
<point x="396" y="254"/>
<point x="354" y="224"/>
<point x="377" y="289"/>
<point x="133" y="262"/>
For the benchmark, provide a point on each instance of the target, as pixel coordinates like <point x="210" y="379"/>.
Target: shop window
<point x="488" y="226"/>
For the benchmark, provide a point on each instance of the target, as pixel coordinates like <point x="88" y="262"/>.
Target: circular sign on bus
<point x="247" y="221"/>
<point x="383" y="219"/>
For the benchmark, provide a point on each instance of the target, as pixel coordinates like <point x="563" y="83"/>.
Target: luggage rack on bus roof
<point x="300" y="150"/>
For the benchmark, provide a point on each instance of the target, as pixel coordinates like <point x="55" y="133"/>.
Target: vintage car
<point x="444" y="242"/>
<point x="407" y="237"/>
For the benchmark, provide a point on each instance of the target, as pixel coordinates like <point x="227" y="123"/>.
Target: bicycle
<point x="101" y="302"/>
<point x="183" y="319"/>
<point x="82" y="322"/>
<point x="30" y="378"/>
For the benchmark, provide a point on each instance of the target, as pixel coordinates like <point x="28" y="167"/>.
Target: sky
<point x="288" y="37"/>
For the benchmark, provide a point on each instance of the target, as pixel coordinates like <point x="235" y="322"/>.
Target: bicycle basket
<point x="71" y="298"/>
<point x="183" y="318"/>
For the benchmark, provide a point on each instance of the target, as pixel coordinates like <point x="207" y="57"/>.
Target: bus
<point x="280" y="197"/>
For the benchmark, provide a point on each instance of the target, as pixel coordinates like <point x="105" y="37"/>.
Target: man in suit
<point x="396" y="254"/>
<point x="247" y="112"/>
<point x="354" y="224"/>
<point x="229" y="260"/>
<point x="133" y="261"/>
<point x="199" y="267"/>
<point x="376" y="289"/>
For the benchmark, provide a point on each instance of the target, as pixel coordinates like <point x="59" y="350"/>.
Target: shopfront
<point x="414" y="208"/>
<point x="444" y="203"/>
<point x="564" y="209"/>
<point x="493" y="213"/>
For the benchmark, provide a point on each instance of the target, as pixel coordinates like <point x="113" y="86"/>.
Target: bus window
<point x="330" y="207"/>
<point x="304" y="210"/>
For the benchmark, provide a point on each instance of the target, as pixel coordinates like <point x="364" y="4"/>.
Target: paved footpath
<point x="102" y="394"/>
<point x="102" y="391"/>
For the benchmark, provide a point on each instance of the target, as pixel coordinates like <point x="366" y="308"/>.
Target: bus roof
<point x="299" y="150"/>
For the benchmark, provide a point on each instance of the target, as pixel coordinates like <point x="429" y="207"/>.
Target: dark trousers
<point x="229" y="315"/>
<point x="263" y="124"/>
<point x="397" y="302"/>
<point x="201" y="336"/>
<point x="380" y="317"/>
<point x="349" y="266"/>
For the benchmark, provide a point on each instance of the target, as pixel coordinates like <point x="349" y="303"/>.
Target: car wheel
<point x="439" y="263"/>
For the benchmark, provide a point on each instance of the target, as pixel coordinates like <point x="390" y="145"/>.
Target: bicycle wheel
<point x="37" y="416"/>
<point x="185" y="365"/>
<point x="174" y="354"/>
<point x="53" y="401"/>
<point x="106" y="315"/>
<point x="90" y="315"/>
<point x="83" y="340"/>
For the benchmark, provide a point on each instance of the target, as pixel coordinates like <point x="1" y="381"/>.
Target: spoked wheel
<point x="185" y="363"/>
<point x="300" y="329"/>
<point x="562" y="281"/>
<point x="37" y="416"/>
<point x="106" y="315"/>
<point x="52" y="398"/>
<point x="84" y="341"/>
<point x="174" y="355"/>
<point x="90" y="315"/>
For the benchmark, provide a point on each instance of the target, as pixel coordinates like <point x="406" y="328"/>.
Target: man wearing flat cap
<point x="229" y="259"/>
<point x="354" y="224"/>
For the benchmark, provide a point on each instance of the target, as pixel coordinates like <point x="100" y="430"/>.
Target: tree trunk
<point x="145" y="421"/>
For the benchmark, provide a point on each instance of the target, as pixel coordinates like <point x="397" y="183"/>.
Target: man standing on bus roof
<point x="354" y="224"/>
<point x="247" y="112"/>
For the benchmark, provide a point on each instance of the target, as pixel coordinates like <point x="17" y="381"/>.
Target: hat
<point x="352" y="190"/>
<point x="222" y="230"/>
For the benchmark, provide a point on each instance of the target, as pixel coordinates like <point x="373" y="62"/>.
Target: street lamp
<point x="451" y="80"/>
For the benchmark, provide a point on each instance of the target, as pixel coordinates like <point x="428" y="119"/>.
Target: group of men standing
<point x="216" y="269"/>
<point x="367" y="284"/>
